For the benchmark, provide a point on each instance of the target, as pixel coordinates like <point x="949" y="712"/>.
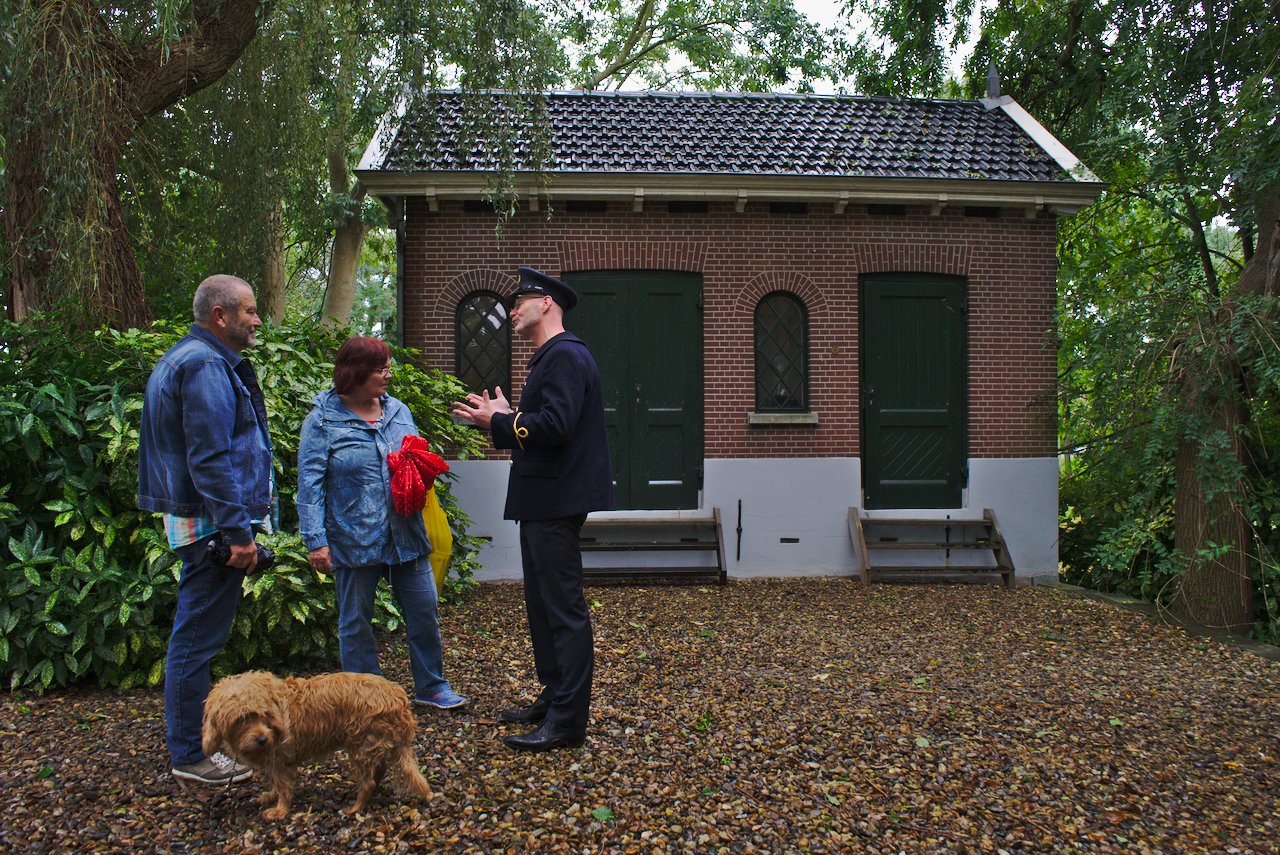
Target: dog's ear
<point x="277" y="717"/>
<point x="210" y="742"/>
<point x="211" y="729"/>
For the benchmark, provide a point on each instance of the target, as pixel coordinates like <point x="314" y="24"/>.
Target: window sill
<point x="780" y="419"/>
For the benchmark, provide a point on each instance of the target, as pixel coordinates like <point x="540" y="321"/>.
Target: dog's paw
<point x="276" y="813"/>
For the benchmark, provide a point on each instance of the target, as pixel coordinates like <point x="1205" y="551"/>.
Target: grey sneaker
<point x="444" y="699"/>
<point x="214" y="769"/>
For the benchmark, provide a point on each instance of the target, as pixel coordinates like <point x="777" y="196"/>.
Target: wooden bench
<point x="644" y="541"/>
<point x="870" y="534"/>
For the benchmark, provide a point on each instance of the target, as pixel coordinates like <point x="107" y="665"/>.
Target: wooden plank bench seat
<point x="633" y="549"/>
<point x="984" y="536"/>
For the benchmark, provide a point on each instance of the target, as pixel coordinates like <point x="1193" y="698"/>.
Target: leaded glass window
<point x="782" y="354"/>
<point x="483" y="342"/>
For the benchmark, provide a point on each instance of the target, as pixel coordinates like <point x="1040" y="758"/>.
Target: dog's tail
<point x="405" y="772"/>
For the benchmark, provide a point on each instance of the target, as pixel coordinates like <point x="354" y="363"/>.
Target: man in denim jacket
<point x="204" y="461"/>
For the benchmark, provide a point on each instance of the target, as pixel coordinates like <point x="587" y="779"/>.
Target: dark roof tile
<point x="698" y="133"/>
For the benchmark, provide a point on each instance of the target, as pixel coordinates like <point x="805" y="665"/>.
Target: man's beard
<point x="241" y="335"/>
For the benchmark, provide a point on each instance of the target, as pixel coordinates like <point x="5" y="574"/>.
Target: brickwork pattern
<point x="1009" y="263"/>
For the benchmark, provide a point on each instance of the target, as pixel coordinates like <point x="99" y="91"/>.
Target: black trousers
<point x="559" y="622"/>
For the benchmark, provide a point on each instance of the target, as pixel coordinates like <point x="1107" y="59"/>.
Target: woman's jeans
<point x="208" y="594"/>
<point x="415" y="590"/>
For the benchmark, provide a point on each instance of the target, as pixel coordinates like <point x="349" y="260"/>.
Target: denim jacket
<point x="344" y="485"/>
<point x="203" y="449"/>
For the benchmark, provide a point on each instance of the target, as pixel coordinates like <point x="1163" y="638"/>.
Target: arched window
<point x="782" y="354"/>
<point x="482" y="337"/>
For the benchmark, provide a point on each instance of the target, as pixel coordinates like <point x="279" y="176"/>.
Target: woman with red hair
<point x="355" y="525"/>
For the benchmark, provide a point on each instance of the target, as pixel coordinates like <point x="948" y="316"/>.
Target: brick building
<point x="809" y="312"/>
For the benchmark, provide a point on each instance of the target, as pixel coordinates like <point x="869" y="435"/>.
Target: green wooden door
<point x="914" y="390"/>
<point x="645" y="330"/>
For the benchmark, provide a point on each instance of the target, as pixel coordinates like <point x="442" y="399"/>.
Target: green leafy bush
<point x="1117" y="492"/>
<point x="87" y="582"/>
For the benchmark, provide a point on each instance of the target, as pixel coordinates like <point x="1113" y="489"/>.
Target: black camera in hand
<point x="220" y="553"/>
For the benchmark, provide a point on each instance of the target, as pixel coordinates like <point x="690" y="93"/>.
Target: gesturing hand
<point x="479" y="410"/>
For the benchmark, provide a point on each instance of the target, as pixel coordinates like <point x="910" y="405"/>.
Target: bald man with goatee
<point x="204" y="462"/>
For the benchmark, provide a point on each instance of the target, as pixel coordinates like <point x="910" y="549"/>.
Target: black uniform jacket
<point x="560" y="452"/>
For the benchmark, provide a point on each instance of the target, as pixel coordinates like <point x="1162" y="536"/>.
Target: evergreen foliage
<point x="1123" y="324"/>
<point x="88" y="582"/>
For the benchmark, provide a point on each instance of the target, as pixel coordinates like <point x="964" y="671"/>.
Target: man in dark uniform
<point x="559" y="472"/>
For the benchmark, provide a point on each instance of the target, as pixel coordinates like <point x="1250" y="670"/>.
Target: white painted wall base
<point x="795" y="513"/>
<point x="1024" y="494"/>
<point x="802" y="499"/>
<point x="481" y="489"/>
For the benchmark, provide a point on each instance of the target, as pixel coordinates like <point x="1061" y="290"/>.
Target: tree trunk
<point x="107" y="287"/>
<point x="344" y="261"/>
<point x="348" y="239"/>
<point x="1216" y="591"/>
<point x="138" y="76"/>
<point x="1261" y="275"/>
<point x="271" y="289"/>
<point x="22" y="210"/>
<point x="120" y="298"/>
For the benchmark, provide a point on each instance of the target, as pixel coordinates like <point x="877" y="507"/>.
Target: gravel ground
<point x="805" y="715"/>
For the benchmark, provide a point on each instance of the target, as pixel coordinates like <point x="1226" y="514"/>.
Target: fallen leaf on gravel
<point x="814" y="715"/>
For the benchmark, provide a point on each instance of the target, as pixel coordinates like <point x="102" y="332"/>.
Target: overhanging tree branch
<point x="160" y="73"/>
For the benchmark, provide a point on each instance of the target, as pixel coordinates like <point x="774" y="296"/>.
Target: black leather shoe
<point x="531" y="714"/>
<point x="550" y="735"/>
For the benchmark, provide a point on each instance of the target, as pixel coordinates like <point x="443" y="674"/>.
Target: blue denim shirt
<point x="203" y="450"/>
<point x="344" y="485"/>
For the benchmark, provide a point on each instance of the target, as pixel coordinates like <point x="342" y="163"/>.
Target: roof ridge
<point x="699" y="94"/>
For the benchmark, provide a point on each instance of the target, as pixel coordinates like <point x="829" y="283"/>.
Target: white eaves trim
<point x="376" y="151"/>
<point x="1038" y="133"/>
<point x="1060" y="197"/>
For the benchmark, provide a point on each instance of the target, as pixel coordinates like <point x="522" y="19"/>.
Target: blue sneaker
<point x="444" y="699"/>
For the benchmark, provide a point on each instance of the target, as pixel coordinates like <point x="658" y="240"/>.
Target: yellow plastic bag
<point x="440" y="536"/>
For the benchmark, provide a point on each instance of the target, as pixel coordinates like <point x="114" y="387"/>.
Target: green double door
<point x="644" y="329"/>
<point x="914" y="390"/>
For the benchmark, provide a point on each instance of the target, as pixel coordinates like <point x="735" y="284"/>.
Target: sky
<point x="823" y="13"/>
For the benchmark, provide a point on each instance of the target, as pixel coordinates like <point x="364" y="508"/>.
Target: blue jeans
<point x="208" y="594"/>
<point x="415" y="588"/>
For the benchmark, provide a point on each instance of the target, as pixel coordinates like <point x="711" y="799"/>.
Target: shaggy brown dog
<point x="273" y="725"/>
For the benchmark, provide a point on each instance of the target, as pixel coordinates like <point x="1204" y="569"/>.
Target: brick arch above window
<point x="457" y="288"/>
<point x="685" y="256"/>
<point x="950" y="260"/>
<point x="811" y="295"/>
